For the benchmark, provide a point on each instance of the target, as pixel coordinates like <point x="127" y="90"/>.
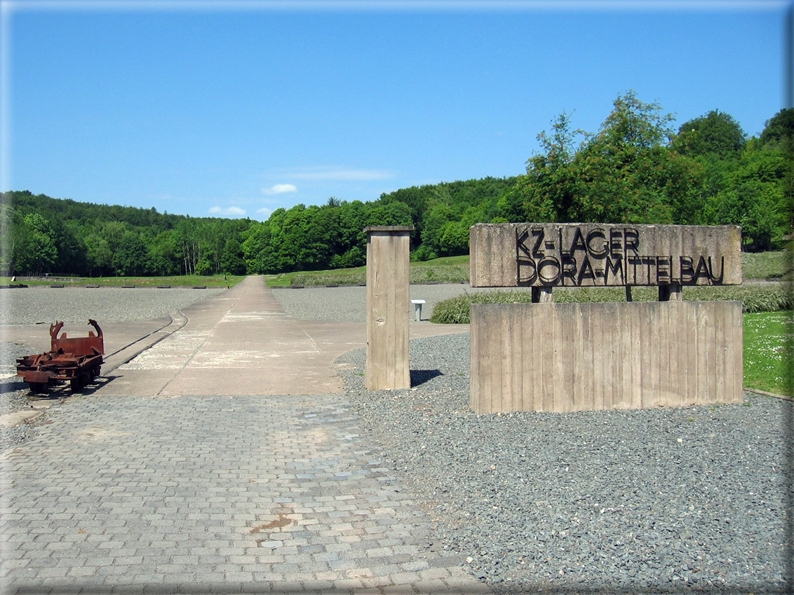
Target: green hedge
<point x="754" y="298"/>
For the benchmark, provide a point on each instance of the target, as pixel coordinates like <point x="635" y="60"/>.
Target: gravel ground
<point x="349" y="304"/>
<point x="671" y="500"/>
<point x="72" y="305"/>
<point x="106" y="304"/>
<point x="14" y="396"/>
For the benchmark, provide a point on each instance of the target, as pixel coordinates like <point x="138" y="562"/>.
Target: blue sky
<point x="236" y="109"/>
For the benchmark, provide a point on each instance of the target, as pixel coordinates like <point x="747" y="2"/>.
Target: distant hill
<point x="635" y="169"/>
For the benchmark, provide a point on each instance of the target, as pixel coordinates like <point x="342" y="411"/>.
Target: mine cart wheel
<point x="38" y="387"/>
<point x="76" y="383"/>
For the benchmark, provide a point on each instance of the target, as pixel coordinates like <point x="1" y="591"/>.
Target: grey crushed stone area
<point x="106" y="304"/>
<point x="672" y="500"/>
<point x="349" y="304"/>
<point x="45" y="305"/>
<point x="14" y="396"/>
<point x="687" y="500"/>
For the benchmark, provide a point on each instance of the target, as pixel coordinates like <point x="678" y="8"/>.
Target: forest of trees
<point x="635" y="169"/>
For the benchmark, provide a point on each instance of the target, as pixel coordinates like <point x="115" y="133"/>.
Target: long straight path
<point x="225" y="459"/>
<point x="241" y="342"/>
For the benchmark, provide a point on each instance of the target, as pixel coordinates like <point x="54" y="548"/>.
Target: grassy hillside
<point x="455" y="269"/>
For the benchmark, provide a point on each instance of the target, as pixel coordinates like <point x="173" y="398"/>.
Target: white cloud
<point x="280" y="189"/>
<point x="265" y="212"/>
<point x="228" y="211"/>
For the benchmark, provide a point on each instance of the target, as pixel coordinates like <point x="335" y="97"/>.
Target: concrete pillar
<point x="671" y="293"/>
<point x="542" y="295"/>
<point x="388" y="307"/>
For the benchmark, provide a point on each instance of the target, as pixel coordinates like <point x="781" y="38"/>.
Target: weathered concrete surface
<point x="240" y="342"/>
<point x="118" y="336"/>
<point x="596" y="254"/>
<point x="388" y="307"/>
<point x="592" y="356"/>
<point x="493" y="255"/>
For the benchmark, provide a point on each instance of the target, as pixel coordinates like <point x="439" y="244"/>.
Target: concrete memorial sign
<point x="592" y="254"/>
<point x="568" y="357"/>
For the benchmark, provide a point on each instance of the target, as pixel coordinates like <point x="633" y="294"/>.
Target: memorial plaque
<point x="618" y="355"/>
<point x="598" y="254"/>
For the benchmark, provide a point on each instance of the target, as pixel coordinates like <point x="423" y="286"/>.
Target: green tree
<point x="779" y="129"/>
<point x="34" y="245"/>
<point x="754" y="197"/>
<point x="232" y="261"/>
<point x="716" y="133"/>
<point x="99" y="256"/>
<point x="204" y="266"/>
<point x="165" y="253"/>
<point x="257" y="250"/>
<point x="113" y="232"/>
<point x="548" y="191"/>
<point x="627" y="172"/>
<point x="7" y="217"/>
<point x="130" y="258"/>
<point x="72" y="258"/>
<point x="435" y="219"/>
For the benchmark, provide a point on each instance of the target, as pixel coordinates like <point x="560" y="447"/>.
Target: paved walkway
<point x="162" y="481"/>
<point x="241" y="342"/>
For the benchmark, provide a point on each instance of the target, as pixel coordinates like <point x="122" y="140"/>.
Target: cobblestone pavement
<point x="212" y="494"/>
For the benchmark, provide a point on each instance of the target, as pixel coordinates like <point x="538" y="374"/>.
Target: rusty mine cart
<point x="76" y="361"/>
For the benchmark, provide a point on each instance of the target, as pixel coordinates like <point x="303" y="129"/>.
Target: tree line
<point x="635" y="169"/>
<point x="48" y="235"/>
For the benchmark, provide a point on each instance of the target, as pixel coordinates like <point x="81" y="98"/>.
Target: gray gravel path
<point x="672" y="500"/>
<point x="349" y="304"/>
<point x="72" y="305"/>
<point x="107" y="304"/>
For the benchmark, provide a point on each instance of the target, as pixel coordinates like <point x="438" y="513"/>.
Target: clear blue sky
<point x="203" y="110"/>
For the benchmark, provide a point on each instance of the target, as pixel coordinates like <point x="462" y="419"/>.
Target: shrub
<point x="754" y="298"/>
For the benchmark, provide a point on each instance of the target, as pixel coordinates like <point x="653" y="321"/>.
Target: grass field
<point x="765" y="265"/>
<point x="768" y="341"/>
<point x="175" y="281"/>
<point x="451" y="269"/>
<point x="455" y="269"/>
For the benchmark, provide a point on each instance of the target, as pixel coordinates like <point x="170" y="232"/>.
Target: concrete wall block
<point x="596" y="356"/>
<point x="388" y="308"/>
<point x="601" y="254"/>
<point x="493" y="262"/>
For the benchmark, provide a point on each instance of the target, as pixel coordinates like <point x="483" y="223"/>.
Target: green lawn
<point x="443" y="261"/>
<point x="768" y="341"/>
<point x="354" y="276"/>
<point x="451" y="269"/>
<point x="455" y="269"/>
<point x="764" y="265"/>
<point x="175" y="281"/>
